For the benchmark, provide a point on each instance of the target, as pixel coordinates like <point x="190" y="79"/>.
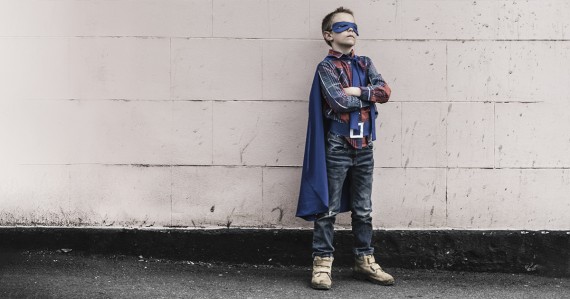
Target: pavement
<point x="70" y="274"/>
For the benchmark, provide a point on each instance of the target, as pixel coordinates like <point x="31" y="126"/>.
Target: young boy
<point x="339" y="163"/>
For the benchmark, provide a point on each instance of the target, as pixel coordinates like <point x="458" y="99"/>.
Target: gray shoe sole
<point x="320" y="286"/>
<point x="362" y="276"/>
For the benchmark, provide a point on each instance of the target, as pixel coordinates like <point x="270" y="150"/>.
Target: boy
<point x="339" y="163"/>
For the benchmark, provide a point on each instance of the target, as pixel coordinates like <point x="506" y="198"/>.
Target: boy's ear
<point x="327" y="35"/>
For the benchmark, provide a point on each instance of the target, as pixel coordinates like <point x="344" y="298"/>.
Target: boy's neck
<point x="343" y="49"/>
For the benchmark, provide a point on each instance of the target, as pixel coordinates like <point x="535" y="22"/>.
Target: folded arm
<point x="335" y="94"/>
<point x="378" y="91"/>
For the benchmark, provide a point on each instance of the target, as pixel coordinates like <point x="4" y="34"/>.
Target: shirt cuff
<point x="364" y="93"/>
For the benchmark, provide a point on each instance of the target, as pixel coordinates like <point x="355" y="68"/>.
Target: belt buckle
<point x="361" y="128"/>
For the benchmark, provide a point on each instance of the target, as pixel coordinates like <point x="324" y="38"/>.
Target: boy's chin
<point x="349" y="44"/>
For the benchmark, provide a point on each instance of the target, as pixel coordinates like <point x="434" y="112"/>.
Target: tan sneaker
<point x="321" y="279"/>
<point x="366" y="268"/>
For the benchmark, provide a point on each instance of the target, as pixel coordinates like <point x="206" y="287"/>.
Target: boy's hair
<point x="327" y="21"/>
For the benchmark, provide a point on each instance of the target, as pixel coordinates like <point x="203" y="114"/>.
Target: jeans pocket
<point x="335" y="142"/>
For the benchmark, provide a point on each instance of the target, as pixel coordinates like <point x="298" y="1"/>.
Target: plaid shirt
<point x="336" y="75"/>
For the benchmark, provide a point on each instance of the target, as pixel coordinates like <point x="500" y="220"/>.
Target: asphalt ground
<point x="71" y="274"/>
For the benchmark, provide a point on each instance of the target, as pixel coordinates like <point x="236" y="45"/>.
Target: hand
<point x="352" y="91"/>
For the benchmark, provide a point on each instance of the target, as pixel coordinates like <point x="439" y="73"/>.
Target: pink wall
<point x="130" y="113"/>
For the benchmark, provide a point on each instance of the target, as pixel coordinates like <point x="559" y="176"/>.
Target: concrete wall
<point x="133" y="113"/>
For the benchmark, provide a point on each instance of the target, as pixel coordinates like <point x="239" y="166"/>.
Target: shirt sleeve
<point x="335" y="96"/>
<point x="378" y="90"/>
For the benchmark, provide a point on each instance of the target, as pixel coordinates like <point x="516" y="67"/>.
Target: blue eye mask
<point x="339" y="27"/>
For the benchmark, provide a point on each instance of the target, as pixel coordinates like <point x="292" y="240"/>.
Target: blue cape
<point x="314" y="193"/>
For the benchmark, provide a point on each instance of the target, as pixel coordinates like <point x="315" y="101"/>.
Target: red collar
<point x="338" y="54"/>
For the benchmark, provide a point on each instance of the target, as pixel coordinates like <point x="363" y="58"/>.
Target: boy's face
<point x="346" y="38"/>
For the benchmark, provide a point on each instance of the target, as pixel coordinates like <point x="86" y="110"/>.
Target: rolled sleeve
<point x="378" y="91"/>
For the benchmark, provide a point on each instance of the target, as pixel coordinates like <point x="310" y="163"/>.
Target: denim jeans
<point x="342" y="160"/>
